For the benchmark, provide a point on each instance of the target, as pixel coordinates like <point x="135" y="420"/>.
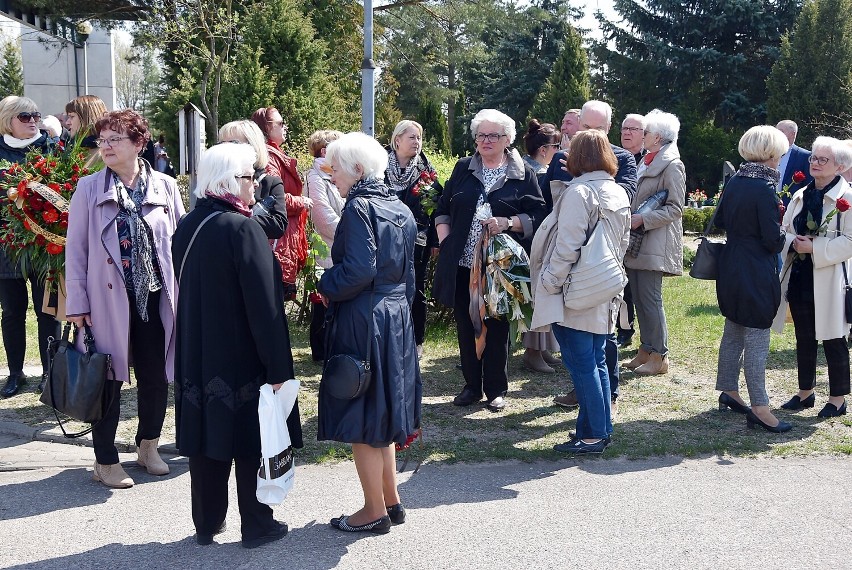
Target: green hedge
<point x="696" y="219"/>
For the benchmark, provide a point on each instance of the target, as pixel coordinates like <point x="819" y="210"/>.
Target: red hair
<point x="126" y="121"/>
<point x="261" y="118"/>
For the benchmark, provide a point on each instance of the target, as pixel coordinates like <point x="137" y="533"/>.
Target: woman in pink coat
<point x="121" y="283"/>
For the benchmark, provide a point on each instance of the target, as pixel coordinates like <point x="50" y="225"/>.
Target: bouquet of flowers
<point x="35" y="213"/>
<point x="427" y="193"/>
<point x="698" y="196"/>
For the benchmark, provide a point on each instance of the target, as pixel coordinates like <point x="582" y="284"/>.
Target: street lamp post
<point x="368" y="74"/>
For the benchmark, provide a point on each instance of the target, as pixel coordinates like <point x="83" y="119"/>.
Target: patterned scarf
<point x="756" y="170"/>
<point x="400" y="179"/>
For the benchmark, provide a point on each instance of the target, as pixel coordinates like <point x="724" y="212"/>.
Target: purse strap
<point x="715" y="211"/>
<point x="192" y="240"/>
<point x="842" y="263"/>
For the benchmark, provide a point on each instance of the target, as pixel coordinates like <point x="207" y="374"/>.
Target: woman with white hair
<point x="747" y="288"/>
<point x="369" y="290"/>
<point x="661" y="251"/>
<point x="495" y="175"/>
<point x="817" y="248"/>
<point x="232" y="338"/>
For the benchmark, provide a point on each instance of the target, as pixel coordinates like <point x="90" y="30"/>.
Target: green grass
<point x="673" y="414"/>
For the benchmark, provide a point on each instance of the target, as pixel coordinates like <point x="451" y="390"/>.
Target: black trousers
<point x="418" y="308"/>
<point x="491" y="373"/>
<point x="628" y="301"/>
<point x="147" y="345"/>
<point x="13" y="301"/>
<point x="209" y="484"/>
<point x="836" y="352"/>
<point x="317" y="331"/>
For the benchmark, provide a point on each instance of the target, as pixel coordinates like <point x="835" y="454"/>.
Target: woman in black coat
<point x="748" y="288"/>
<point x="369" y="288"/>
<point x="232" y="337"/>
<point x="498" y="176"/>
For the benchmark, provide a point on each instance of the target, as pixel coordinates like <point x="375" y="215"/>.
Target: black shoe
<point x="13" y="384"/>
<point x="624" y="339"/>
<point x="496" y="405"/>
<point x="795" y="403"/>
<point x="725" y="402"/>
<point x="579" y="447"/>
<point x="378" y="526"/>
<point x="572" y="435"/>
<point x="832" y="411"/>
<point x="752" y="421"/>
<point x="204" y="539"/>
<point x="41" y="384"/>
<point x="466" y="397"/>
<point x="396" y="513"/>
<point x="278" y="531"/>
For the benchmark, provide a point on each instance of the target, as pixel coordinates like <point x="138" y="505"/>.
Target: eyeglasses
<point x="27" y="117"/>
<point x="490" y="137"/>
<point x="245" y="177"/>
<point x="279" y="124"/>
<point x="110" y="142"/>
<point x="821" y="160"/>
<point x="631" y="129"/>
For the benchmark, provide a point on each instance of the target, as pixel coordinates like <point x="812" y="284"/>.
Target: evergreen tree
<point x="248" y="86"/>
<point x="811" y="81"/>
<point x="568" y="86"/>
<point x="434" y="125"/>
<point x="12" y="72"/>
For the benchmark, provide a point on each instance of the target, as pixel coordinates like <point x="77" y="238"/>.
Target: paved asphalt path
<point x="594" y="513"/>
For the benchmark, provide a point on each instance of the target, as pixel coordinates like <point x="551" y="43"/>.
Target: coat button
<point x="109" y="260"/>
<point x="167" y="210"/>
<point x="109" y="285"/>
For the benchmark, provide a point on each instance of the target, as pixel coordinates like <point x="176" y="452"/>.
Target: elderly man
<point x="794" y="160"/>
<point x="570" y="126"/>
<point x="597" y="115"/>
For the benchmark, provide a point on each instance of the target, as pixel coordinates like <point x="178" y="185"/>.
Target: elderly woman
<point x="119" y="278"/>
<point x="81" y="114"/>
<point x="812" y="278"/>
<point x="407" y="169"/>
<point x="269" y="190"/>
<point x="661" y="250"/>
<point x="370" y="287"/>
<point x="292" y="249"/>
<point x="325" y="215"/>
<point x="494" y="175"/>
<point x="19" y="119"/>
<point x="541" y="142"/>
<point x="748" y="289"/>
<point x="591" y="198"/>
<point x="229" y="276"/>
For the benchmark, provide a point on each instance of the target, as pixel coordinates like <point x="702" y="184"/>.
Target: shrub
<point x="688" y="257"/>
<point x="696" y="219"/>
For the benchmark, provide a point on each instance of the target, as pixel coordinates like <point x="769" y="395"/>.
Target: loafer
<point x="466" y="397"/>
<point x="378" y="526"/>
<point x="573" y="435"/>
<point x="14" y="383"/>
<point x="569" y="400"/>
<point x="795" y="403"/>
<point x="396" y="513"/>
<point x="497" y="404"/>
<point x="832" y="411"/>
<point x="580" y="447"/>
<point x="278" y="531"/>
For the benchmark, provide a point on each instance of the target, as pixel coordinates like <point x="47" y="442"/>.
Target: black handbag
<point x="344" y="376"/>
<point x="706" y="262"/>
<point x="76" y="381"/>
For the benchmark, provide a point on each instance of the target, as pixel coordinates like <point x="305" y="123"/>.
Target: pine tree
<point x="12" y="72"/>
<point x="568" y="86"/>
<point x="812" y="81"/>
<point x="434" y="125"/>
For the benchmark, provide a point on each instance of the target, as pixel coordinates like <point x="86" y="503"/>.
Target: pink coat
<point x="93" y="274"/>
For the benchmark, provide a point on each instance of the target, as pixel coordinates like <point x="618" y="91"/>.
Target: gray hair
<point x="635" y="117"/>
<point x="600" y="107"/>
<point x="841" y="152"/>
<point x="219" y="167"/>
<point x="664" y="124"/>
<point x="252" y="134"/>
<point x="787" y="125"/>
<point x="357" y="149"/>
<point x="496" y="117"/>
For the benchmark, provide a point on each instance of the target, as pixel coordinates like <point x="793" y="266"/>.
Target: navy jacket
<point x="625" y="177"/>
<point x="798" y="162"/>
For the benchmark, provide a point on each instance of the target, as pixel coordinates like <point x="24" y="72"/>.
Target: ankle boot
<point x="549" y="358"/>
<point x="641" y="358"/>
<point x="112" y="476"/>
<point x="150" y="459"/>
<point x="657" y="364"/>
<point x="534" y="361"/>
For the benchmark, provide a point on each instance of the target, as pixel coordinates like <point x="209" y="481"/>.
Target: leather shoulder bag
<point x="345" y="376"/>
<point x="705" y="265"/>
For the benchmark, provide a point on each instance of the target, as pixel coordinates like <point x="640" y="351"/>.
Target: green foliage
<point x="811" y="81"/>
<point x="696" y="219"/>
<point x="12" y="71"/>
<point x="703" y="149"/>
<point x="434" y="125"/>
<point x="688" y="257"/>
<point x="248" y="85"/>
<point x="568" y="86"/>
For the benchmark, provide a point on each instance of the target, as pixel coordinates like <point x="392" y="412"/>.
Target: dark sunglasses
<point x="27" y="117"/>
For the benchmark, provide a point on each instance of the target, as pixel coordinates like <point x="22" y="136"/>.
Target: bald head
<point x="789" y="128"/>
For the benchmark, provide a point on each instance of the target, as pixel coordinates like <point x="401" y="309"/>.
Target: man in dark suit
<point x="596" y="115"/>
<point x="795" y="160"/>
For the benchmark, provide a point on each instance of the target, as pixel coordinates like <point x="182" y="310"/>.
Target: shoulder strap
<point x="715" y="211"/>
<point x="194" y="235"/>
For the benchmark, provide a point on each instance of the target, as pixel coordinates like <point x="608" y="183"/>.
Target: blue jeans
<point x="584" y="355"/>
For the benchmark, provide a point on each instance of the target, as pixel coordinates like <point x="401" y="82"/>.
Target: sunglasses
<point x="27" y="117"/>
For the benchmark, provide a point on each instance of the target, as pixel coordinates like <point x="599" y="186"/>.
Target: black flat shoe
<point x="13" y="385"/>
<point x="727" y="402"/>
<point x="396" y="513"/>
<point x="580" y="447"/>
<point x="466" y="397"/>
<point x="572" y="435"/>
<point x="752" y="421"/>
<point x="832" y="411"/>
<point x="796" y="403"/>
<point x="278" y="531"/>
<point x="378" y="526"/>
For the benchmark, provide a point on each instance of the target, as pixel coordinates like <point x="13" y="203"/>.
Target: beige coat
<point x="556" y="247"/>
<point x="829" y="251"/>
<point x="662" y="246"/>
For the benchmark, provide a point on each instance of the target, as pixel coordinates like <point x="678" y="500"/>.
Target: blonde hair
<point x="319" y="140"/>
<point x="248" y="132"/>
<point x="403" y="126"/>
<point x="10" y="107"/>
<point x="762" y="143"/>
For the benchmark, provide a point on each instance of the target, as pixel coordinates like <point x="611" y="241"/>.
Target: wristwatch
<point x="510" y="222"/>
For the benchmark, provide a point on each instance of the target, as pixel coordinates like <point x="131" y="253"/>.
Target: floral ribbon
<point x="38" y="230"/>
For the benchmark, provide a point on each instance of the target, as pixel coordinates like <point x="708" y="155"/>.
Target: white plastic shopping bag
<point x="277" y="468"/>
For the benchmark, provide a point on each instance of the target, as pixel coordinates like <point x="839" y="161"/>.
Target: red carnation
<point x="54" y="186"/>
<point x="798" y="177"/>
<point x="842" y="205"/>
<point x="50" y="216"/>
<point x="54" y="249"/>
